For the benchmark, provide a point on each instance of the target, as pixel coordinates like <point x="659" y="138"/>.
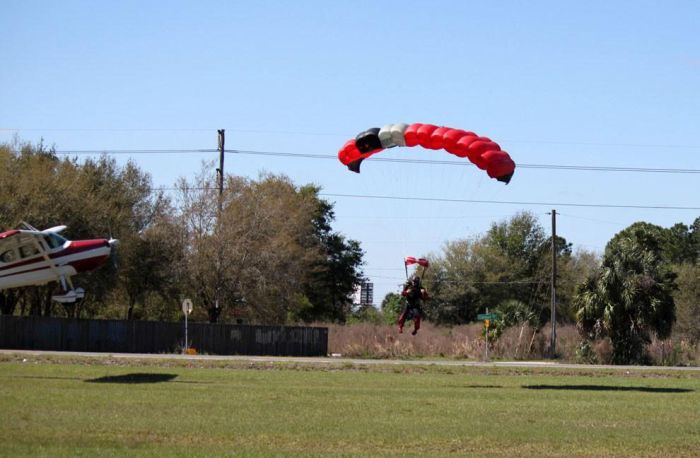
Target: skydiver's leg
<point x="402" y="320"/>
<point x="416" y="324"/>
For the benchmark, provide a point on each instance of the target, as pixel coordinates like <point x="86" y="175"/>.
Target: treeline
<point x="265" y="252"/>
<point x="269" y="254"/>
<point x="645" y="284"/>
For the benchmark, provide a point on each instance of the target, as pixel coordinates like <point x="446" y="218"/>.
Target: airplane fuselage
<point x="23" y="264"/>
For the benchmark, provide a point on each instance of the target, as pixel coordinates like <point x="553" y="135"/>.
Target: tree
<point x="271" y="255"/>
<point x="452" y="281"/>
<point x="512" y="261"/>
<point x="687" y="299"/>
<point x="630" y="297"/>
<point x="332" y="279"/>
<point x="366" y="313"/>
<point x="93" y="198"/>
<point x="152" y="263"/>
<point x="8" y="302"/>
<point x="197" y="214"/>
<point x="334" y="276"/>
<point x="275" y="223"/>
<point x="572" y="270"/>
<point x="392" y="306"/>
<point x="515" y="313"/>
<point x="695" y="239"/>
<point x="682" y="243"/>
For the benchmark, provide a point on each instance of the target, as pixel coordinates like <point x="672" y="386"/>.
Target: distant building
<point x="364" y="294"/>
<point x="367" y="293"/>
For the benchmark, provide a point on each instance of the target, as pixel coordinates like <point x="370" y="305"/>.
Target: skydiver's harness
<point x="413" y="307"/>
<point x="413" y="294"/>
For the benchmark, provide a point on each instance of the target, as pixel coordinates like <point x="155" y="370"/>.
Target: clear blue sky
<point x="594" y="83"/>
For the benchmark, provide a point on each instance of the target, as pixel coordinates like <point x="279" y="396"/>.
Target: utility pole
<point x="214" y="314"/>
<point x="553" y="319"/>
<point x="220" y="170"/>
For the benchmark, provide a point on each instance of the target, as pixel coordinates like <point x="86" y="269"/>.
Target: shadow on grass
<point x="41" y="377"/>
<point x="134" y="378"/>
<point x="643" y="389"/>
<point x="474" y="386"/>
<point x="128" y="378"/>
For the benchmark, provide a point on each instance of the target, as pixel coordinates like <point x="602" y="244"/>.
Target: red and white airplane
<point x="30" y="257"/>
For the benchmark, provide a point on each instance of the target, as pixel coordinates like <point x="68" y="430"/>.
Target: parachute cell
<point x="481" y="151"/>
<point x="368" y="140"/>
<point x="409" y="260"/>
<point x="391" y="135"/>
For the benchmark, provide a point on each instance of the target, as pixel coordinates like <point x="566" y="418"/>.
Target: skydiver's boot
<point x="402" y="320"/>
<point x="416" y="326"/>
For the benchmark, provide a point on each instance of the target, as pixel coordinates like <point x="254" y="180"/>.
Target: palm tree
<point x="630" y="297"/>
<point x="516" y="313"/>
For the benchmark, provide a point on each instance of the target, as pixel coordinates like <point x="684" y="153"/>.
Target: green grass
<point x="90" y="407"/>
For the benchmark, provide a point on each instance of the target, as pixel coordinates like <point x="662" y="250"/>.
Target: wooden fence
<point x="119" y="336"/>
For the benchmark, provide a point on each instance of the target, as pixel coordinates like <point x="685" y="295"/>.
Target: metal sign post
<point x="487" y="323"/>
<point x="186" y="309"/>
<point x="487" y="318"/>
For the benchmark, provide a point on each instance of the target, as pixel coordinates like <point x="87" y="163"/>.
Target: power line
<point x="373" y="217"/>
<point x="468" y="201"/>
<point x="505" y="202"/>
<point x="384" y="268"/>
<point x="384" y="159"/>
<point x="38" y="129"/>
<point x="595" y="220"/>
<point x="339" y="134"/>
<point x="602" y="144"/>
<point x="607" y="168"/>
<point x="469" y="164"/>
<point x="132" y="151"/>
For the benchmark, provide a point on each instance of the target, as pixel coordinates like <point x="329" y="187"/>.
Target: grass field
<point x="55" y="406"/>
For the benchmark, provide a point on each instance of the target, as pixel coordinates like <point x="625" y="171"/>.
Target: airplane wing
<point x="8" y="234"/>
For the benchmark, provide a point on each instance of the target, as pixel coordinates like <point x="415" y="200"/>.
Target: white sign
<point x="187" y="306"/>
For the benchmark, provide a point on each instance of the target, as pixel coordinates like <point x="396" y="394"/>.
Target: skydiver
<point x="414" y="294"/>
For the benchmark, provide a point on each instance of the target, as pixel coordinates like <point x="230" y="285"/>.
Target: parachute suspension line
<point x="425" y="268"/>
<point x="470" y="189"/>
<point x="481" y="151"/>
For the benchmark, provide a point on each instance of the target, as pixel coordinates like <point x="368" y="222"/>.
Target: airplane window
<point x="26" y="251"/>
<point x="8" y="256"/>
<point x="54" y="240"/>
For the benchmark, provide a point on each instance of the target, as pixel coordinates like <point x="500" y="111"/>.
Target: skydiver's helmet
<point x="415" y="281"/>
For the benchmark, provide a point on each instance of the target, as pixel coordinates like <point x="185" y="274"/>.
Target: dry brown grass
<point x="383" y="341"/>
<point x="367" y="340"/>
<point x="678" y="351"/>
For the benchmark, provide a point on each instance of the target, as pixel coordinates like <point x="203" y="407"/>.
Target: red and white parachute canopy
<point x="409" y="260"/>
<point x="482" y="151"/>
